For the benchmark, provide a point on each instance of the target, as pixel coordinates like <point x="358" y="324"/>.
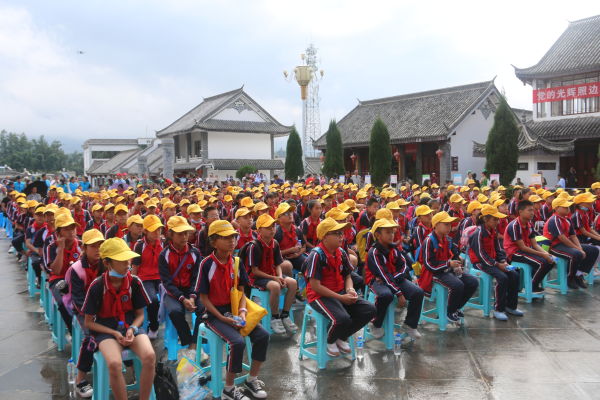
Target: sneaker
<point x="579" y="281"/>
<point x="256" y="388"/>
<point x="500" y="316"/>
<point x="332" y="350"/>
<point x="277" y="326"/>
<point x="460" y="313"/>
<point x="203" y="356"/>
<point x="376" y="333"/>
<point x="453" y="317"/>
<point x="537" y="289"/>
<point x="516" y="312"/>
<point x="299" y="297"/>
<point x="11" y="249"/>
<point x="84" y="389"/>
<point x="596" y="271"/>
<point x="289" y="324"/>
<point x="572" y="284"/>
<point x="152" y="334"/>
<point x="234" y="394"/>
<point x="412" y="332"/>
<point x="343" y="347"/>
<point x="69" y="339"/>
<point x="38" y="285"/>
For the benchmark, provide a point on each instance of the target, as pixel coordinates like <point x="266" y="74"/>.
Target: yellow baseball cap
<point x="336" y="214"/>
<point x="92" y="236"/>
<point x="284" y="208"/>
<point x="451" y="187"/>
<point x="595" y="185"/>
<point x="580" y="198"/>
<point x="423" y="210"/>
<point x="565" y="195"/>
<point x="390" y="194"/>
<point x="63" y="220"/>
<point x="535" y="198"/>
<point x="474" y="205"/>
<point x="330" y="225"/>
<point x="261" y="206"/>
<point x="383" y="223"/>
<point x="194" y="208"/>
<point x="97" y="207"/>
<point x="493" y="211"/>
<point x="135" y="219"/>
<point x="352" y="206"/>
<point x="360" y="195"/>
<point x="499" y="202"/>
<point x="41" y="209"/>
<point x="116" y="249"/>
<point x="442" y="217"/>
<point x="75" y="200"/>
<point x="152" y="223"/>
<point x="121" y="207"/>
<point x="221" y="228"/>
<point x="179" y="224"/>
<point x="482" y="198"/>
<point x="247" y="202"/>
<point x="501" y="188"/>
<point x="392" y="205"/>
<point x="184" y="202"/>
<point x="265" y="221"/>
<point x="32" y="203"/>
<point x="456" y="198"/>
<point x="547" y="194"/>
<point x="169" y="204"/>
<point x="383" y="213"/>
<point x="243" y="211"/>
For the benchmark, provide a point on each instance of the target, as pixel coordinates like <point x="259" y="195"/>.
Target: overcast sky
<point x="147" y="63"/>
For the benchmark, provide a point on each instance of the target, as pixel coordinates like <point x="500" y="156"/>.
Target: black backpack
<point x="165" y="384"/>
<point x="244" y="258"/>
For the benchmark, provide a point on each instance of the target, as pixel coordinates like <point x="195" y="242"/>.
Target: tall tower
<point x="313" y="119"/>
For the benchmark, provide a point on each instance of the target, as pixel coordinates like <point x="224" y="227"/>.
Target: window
<point x="104" y="154"/>
<point x="454" y="163"/>
<point x="546" y="166"/>
<point x="575" y="106"/>
<point x="541" y="107"/>
<point x="197" y="148"/>
<point x="523" y="166"/>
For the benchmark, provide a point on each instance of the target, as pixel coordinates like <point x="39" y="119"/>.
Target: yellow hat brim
<point x="124" y="255"/>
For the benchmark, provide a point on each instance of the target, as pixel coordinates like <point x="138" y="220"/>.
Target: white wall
<point x="231" y="114"/>
<point x="474" y="128"/>
<point x="87" y="152"/>
<point x="551" y="176"/>
<point x="222" y="173"/>
<point x="234" y="145"/>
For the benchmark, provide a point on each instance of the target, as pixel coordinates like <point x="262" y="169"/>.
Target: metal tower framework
<point x="312" y="115"/>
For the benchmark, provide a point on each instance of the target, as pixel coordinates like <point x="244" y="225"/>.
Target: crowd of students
<point x="110" y="255"/>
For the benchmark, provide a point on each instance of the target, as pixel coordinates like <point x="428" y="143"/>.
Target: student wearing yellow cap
<point x="474" y="209"/>
<point x="80" y="215"/>
<point x="211" y="215"/>
<point x="423" y="228"/>
<point x="34" y="227"/>
<point x="564" y="243"/>
<point x="388" y="275"/>
<point x="547" y="211"/>
<point x="330" y="288"/>
<point x="443" y="265"/>
<point x="456" y="211"/>
<point x="488" y="256"/>
<point x="214" y="284"/>
<point x="115" y="297"/>
<point x="119" y="229"/>
<point x="311" y="223"/>
<point x="21" y="223"/>
<point x="96" y="221"/>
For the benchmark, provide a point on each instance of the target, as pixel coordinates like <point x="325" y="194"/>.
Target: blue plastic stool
<point x="31" y="278"/>
<point x="301" y="284"/>
<point x="59" y="330"/>
<point x="10" y="233"/>
<point x="321" y="357"/>
<point x="526" y="282"/>
<point x="76" y="340"/>
<point x="388" y="323"/>
<point x="171" y="341"/>
<point x="560" y="282"/>
<point x="264" y="297"/>
<point x="102" y="388"/>
<point x="484" y="299"/>
<point x="215" y="345"/>
<point x="48" y="301"/>
<point x="146" y="321"/>
<point x="590" y="276"/>
<point x="43" y="293"/>
<point x="439" y="294"/>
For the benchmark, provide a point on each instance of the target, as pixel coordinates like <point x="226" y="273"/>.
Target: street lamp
<point x="303" y="75"/>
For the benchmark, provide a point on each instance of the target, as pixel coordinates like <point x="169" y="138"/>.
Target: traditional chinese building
<point x="566" y="101"/>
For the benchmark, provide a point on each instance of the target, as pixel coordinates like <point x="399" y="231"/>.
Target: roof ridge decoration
<point x="239" y="106"/>
<point x="594" y="18"/>
<point x="487" y="107"/>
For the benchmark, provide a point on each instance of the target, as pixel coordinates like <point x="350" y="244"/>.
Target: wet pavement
<point x="552" y="352"/>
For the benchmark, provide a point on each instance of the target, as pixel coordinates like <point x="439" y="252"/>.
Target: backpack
<point x="165" y="384"/>
<point x="361" y="243"/>
<point x="243" y="251"/>
<point x="436" y="247"/>
<point x="78" y="268"/>
<point x="466" y="234"/>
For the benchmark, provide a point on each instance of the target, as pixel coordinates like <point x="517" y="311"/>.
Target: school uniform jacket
<point x="389" y="265"/>
<point x="79" y="288"/>
<point x="289" y="239"/>
<point x="70" y="256"/>
<point x="484" y="247"/>
<point x="216" y="280"/>
<point x="438" y="260"/>
<point x="516" y="231"/>
<point x="93" y="225"/>
<point x="557" y="226"/>
<point x="116" y="231"/>
<point x="82" y="219"/>
<point x="266" y="264"/>
<point x="168" y="262"/>
<point x="147" y="262"/>
<point x="332" y="271"/>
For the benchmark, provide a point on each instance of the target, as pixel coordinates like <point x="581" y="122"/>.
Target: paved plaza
<point x="552" y="352"/>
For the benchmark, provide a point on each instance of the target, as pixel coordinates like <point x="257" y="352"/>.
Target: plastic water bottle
<point x="397" y="345"/>
<point x="510" y="268"/>
<point x="236" y="319"/>
<point x="121" y="328"/>
<point x="359" y="348"/>
<point x="554" y="258"/>
<point x="71" y="374"/>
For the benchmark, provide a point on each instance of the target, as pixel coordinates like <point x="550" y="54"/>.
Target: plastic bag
<point x="189" y="376"/>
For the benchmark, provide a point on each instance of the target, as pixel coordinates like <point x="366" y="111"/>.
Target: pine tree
<point x="293" y="159"/>
<point x="380" y="153"/>
<point x="246" y="169"/>
<point x="501" y="148"/>
<point x="334" y="155"/>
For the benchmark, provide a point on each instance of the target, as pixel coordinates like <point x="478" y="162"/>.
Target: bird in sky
<point x="80" y="52"/>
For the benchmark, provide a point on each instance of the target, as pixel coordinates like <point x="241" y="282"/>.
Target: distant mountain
<point x="280" y="153"/>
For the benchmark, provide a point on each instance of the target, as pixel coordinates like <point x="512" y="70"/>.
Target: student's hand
<point x="230" y="322"/>
<point x="243" y="315"/>
<point x="189" y="305"/>
<point x="347" y="299"/>
<point x="61" y="243"/>
<point x="548" y="258"/>
<point x="122" y="341"/>
<point x="352" y="293"/>
<point x="502" y="266"/>
<point x="401" y="301"/>
<point x="583" y="252"/>
<point x="454" y="264"/>
<point x="458" y="270"/>
<point x="379" y="281"/>
<point x="129" y="336"/>
<point x="281" y="281"/>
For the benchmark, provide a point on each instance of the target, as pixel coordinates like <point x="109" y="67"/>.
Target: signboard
<point x="536" y="179"/>
<point x="495" y="177"/>
<point x="425" y="177"/>
<point x="410" y="148"/>
<point x="394" y="180"/>
<point x="581" y="91"/>
<point x="458" y="179"/>
<point x="367" y="179"/>
<point x="342" y="179"/>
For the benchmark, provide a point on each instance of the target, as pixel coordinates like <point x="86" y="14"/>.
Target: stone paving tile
<point x="508" y="390"/>
<point x="565" y="340"/>
<point x="519" y="367"/>
<point x="445" y="389"/>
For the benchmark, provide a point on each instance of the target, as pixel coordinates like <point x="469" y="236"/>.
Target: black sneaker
<point x="460" y="314"/>
<point x="453" y="317"/>
<point x="256" y="388"/>
<point x="299" y="297"/>
<point x="234" y="394"/>
<point x="572" y="284"/>
<point x="84" y="389"/>
<point x="537" y="289"/>
<point x="579" y="281"/>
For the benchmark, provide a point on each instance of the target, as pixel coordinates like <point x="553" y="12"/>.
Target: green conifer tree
<point x="501" y="148"/>
<point x="380" y="153"/>
<point x="293" y="159"/>
<point x="334" y="156"/>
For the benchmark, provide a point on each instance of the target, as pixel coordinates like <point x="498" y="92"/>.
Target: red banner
<point x="581" y="91"/>
<point x="411" y="148"/>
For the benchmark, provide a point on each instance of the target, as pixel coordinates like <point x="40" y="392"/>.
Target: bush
<point x="380" y="153"/>
<point x="501" y="148"/>
<point x="246" y="169"/>
<point x="293" y="158"/>
<point x="334" y="155"/>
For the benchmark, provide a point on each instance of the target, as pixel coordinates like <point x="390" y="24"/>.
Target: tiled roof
<point x="576" y="51"/>
<point x="153" y="158"/>
<point x="114" y="163"/>
<point x="109" y="141"/>
<point x="566" y="128"/>
<point x="313" y="165"/>
<point x="236" y="164"/>
<point x="425" y="116"/>
<point x="95" y="164"/>
<point x="200" y="117"/>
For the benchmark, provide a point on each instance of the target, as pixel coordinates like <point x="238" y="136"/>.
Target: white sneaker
<point x="413" y="333"/>
<point x="343" y="347"/>
<point x="69" y="339"/>
<point x="596" y="271"/>
<point x="289" y="324"/>
<point x="256" y="388"/>
<point x="332" y="350"/>
<point x="277" y="326"/>
<point x="152" y="334"/>
<point x="376" y="333"/>
<point x="203" y="356"/>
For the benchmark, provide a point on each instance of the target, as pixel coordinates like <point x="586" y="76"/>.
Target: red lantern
<point x="322" y="158"/>
<point x="439" y="153"/>
<point x="353" y="157"/>
<point x="397" y="155"/>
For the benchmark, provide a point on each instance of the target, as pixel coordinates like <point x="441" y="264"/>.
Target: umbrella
<point x="41" y="186"/>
